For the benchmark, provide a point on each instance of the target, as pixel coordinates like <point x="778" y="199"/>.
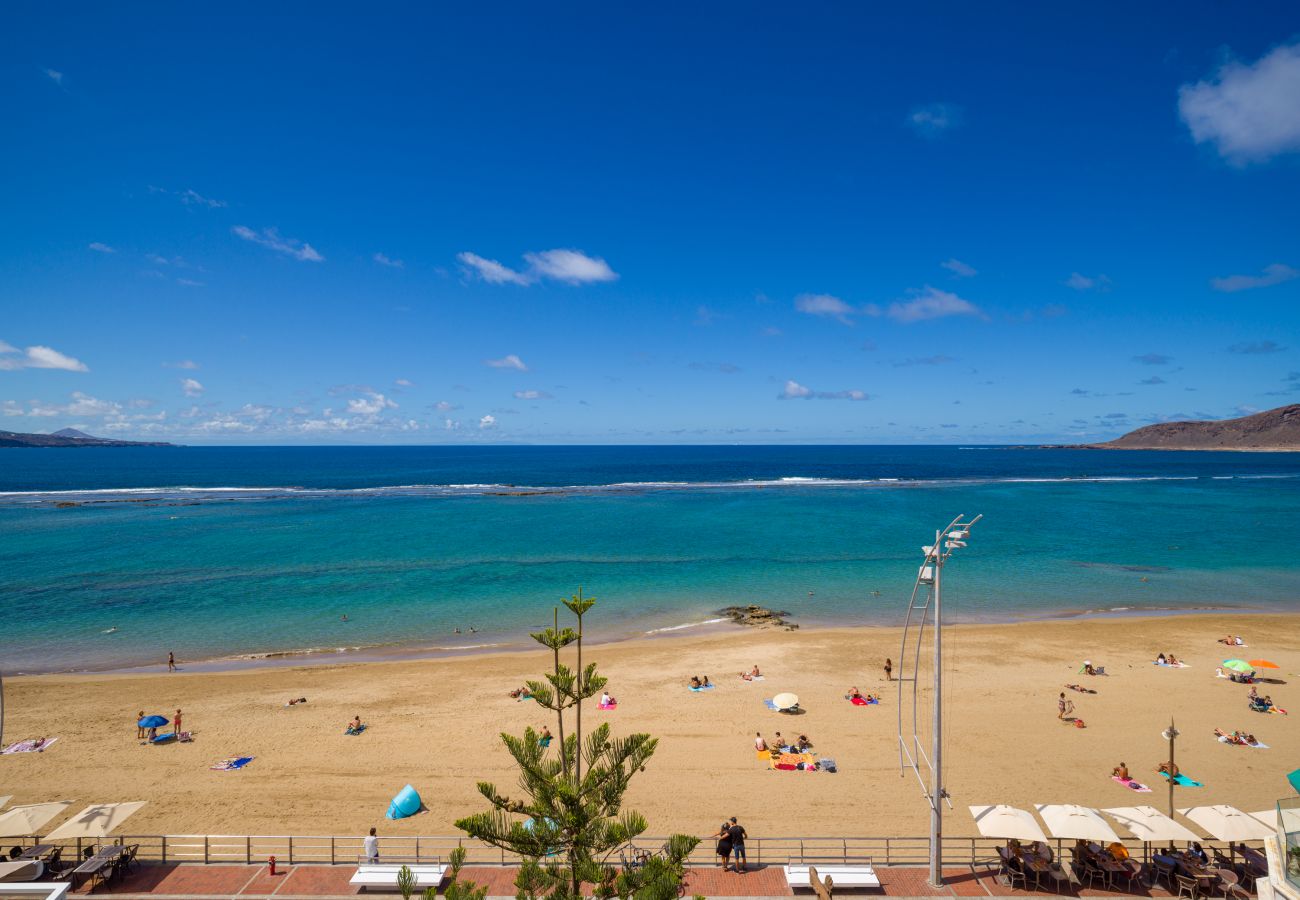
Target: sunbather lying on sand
<point x="751" y="674"/>
<point x="521" y="693"/>
<point x="1081" y="689"/>
<point x="855" y="694"/>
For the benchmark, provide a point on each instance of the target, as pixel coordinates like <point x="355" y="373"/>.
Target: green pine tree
<point x="569" y="824"/>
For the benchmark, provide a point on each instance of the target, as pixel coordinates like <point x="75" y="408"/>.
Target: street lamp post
<point x="929" y="587"/>
<point x="1171" y="734"/>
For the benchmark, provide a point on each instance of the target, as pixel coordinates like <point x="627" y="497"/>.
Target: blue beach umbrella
<point x="153" y="721"/>
<point x="1294" y="778"/>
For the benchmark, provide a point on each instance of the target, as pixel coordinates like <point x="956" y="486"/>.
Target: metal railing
<point x="209" y="849"/>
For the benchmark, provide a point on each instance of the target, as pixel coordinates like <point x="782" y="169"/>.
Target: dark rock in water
<point x="756" y="615"/>
<point x="66" y="504"/>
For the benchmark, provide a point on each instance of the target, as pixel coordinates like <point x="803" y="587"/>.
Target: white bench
<point x="381" y="875"/>
<point x="841" y="874"/>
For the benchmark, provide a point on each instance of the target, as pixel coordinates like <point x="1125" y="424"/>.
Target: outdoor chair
<point x="1012" y="869"/>
<point x="1159" y="871"/>
<point x="1188" y="886"/>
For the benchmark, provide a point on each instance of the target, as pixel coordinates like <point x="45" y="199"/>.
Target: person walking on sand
<point x="889" y="669"/>
<point x="1062" y="706"/>
<point x="171" y="661"/>
<point x="372" y="847"/>
<point x="139" y="729"/>
<point x="737" y="834"/>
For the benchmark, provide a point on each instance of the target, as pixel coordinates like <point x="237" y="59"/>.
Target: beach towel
<point x="1177" y="665"/>
<point x="828" y="765"/>
<point x="607" y="705"/>
<point x="29" y="746"/>
<point x="703" y="687"/>
<point x="163" y="738"/>
<point x="858" y="701"/>
<point x="352" y="730"/>
<point x="545" y="742"/>
<point x="230" y="763"/>
<point x="754" y="678"/>
<point x="1131" y="784"/>
<point x="1182" y="780"/>
<point x="1224" y="739"/>
<point x="770" y="705"/>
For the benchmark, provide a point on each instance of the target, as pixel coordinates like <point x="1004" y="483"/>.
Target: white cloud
<point x="824" y="305"/>
<point x="100" y="248"/>
<point x="387" y="261"/>
<point x="183" y="364"/>
<point x="445" y="406"/>
<point x="1274" y="274"/>
<point x="793" y="390"/>
<point x="930" y="303"/>
<point x="934" y="119"/>
<point x="372" y="404"/>
<point x="270" y="237"/>
<point x="959" y="268"/>
<point x="82" y="405"/>
<point x="404" y="382"/>
<point x="568" y="266"/>
<point x="487" y="422"/>
<point x="1087" y="282"/>
<point x="490" y="270"/>
<point x="509" y="361"/>
<point x="54" y="75"/>
<point x="532" y="395"/>
<point x="12" y="408"/>
<point x="38" y="357"/>
<point x="191" y="387"/>
<point x="190" y="282"/>
<point x="194" y="198"/>
<point x="451" y="425"/>
<point x="1250" y="113"/>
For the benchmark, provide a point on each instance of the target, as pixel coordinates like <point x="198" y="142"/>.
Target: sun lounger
<point x="385" y="875"/>
<point x="841" y="874"/>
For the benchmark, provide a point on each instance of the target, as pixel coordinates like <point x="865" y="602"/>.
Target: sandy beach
<point x="434" y="723"/>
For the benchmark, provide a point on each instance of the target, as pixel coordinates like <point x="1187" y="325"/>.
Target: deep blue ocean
<point x="112" y="557"/>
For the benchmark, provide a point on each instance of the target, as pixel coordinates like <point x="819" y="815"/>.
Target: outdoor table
<point x="40" y="851"/>
<point x="100" y="866"/>
<point x="1227" y="878"/>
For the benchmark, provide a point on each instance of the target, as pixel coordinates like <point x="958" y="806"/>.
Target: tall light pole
<point x="1171" y="734"/>
<point x="911" y="750"/>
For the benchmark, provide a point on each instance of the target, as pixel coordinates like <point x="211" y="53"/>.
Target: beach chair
<point x="1188" y="886"/>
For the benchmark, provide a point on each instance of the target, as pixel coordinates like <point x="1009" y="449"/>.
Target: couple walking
<point x="731" y="843"/>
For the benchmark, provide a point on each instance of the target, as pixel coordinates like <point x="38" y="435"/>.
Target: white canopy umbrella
<point x="1290" y="819"/>
<point x="1081" y="823"/>
<point x="21" y="870"/>
<point x="1227" y="823"/>
<point x="5" y="799"/>
<point x="785" y="701"/>
<point x="24" y="821"/>
<point x="95" y="821"/>
<point x="1004" y="821"/>
<point x="1149" y="824"/>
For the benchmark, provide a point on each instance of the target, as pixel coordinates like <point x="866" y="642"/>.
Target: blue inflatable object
<point x="406" y="803"/>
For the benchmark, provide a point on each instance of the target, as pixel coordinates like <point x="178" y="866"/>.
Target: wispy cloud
<point x="404" y="383"/>
<point x="566" y="266"/>
<point x="37" y="357"/>
<point x="938" y="360"/>
<point x="190" y="282"/>
<point x="192" y="387"/>
<point x="445" y="406"/>
<point x="1247" y="111"/>
<point x="1252" y="348"/>
<point x="487" y="423"/>
<point x="509" y="361"/>
<point x="959" y="268"/>
<point x="793" y="390"/>
<point x="1154" y="379"/>
<point x="183" y="364"/>
<point x="824" y="305"/>
<point x="934" y="119"/>
<point x="100" y="247"/>
<point x="725" y="368"/>
<point x="54" y="75"/>
<point x="704" y="316"/>
<point x="532" y="395"/>
<point x="270" y="237"/>
<point x="387" y="261"/>
<point x="1080" y="282"/>
<point x="189" y="197"/>
<point x="372" y="404"/>
<point x="1277" y="273"/>
<point x="1153" y="359"/>
<point x="928" y="303"/>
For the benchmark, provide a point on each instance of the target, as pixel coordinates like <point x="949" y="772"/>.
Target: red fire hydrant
<point x="271" y="862"/>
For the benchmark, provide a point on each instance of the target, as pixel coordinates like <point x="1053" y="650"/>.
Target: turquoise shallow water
<point x="206" y="576"/>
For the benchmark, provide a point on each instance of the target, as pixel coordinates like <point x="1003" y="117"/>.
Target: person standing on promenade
<point x="889" y="669"/>
<point x="737" y="834"/>
<point x="372" y="847"/>
<point x="171" y="661"/>
<point x="724" y="844"/>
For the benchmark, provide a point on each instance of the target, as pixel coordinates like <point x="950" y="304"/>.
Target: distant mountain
<point x="69" y="437"/>
<point x="1274" y="429"/>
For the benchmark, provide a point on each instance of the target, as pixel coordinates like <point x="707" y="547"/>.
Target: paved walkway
<point x="318" y="882"/>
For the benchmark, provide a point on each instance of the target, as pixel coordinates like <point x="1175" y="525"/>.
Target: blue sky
<point x="756" y="223"/>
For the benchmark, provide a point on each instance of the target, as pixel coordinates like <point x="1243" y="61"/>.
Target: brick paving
<point x="189" y="881"/>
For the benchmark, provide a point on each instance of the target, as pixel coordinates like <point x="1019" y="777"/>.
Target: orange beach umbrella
<point x="1264" y="664"/>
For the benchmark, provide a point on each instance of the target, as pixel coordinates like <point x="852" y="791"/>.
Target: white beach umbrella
<point x="95" y="821"/>
<point x="1004" y="821"/>
<point x="1227" y="823"/>
<point x="21" y="870"/>
<point x="24" y="821"/>
<point x="1290" y="819"/>
<point x="5" y="799"/>
<point x="785" y="701"/>
<point x="1149" y="824"/>
<point x="1081" y="823"/>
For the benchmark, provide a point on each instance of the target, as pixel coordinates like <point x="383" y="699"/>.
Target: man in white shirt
<point x="372" y="847"/>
